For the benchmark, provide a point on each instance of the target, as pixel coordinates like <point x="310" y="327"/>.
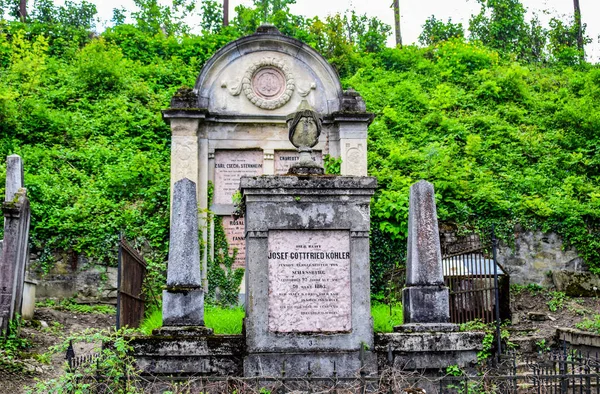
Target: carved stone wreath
<point x="268" y="83"/>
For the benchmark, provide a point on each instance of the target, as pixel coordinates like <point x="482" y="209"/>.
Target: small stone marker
<point x="425" y="298"/>
<point x="183" y="299"/>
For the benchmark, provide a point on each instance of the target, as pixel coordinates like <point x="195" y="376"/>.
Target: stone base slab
<point x="183" y="331"/>
<point x="183" y="308"/>
<point x="321" y="364"/>
<point x="428" y="350"/>
<point x="426" y="304"/>
<point x="217" y="355"/>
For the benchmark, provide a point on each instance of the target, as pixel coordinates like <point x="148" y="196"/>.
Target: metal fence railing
<point x="565" y="371"/>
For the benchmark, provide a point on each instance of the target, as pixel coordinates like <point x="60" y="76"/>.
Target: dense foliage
<point x="503" y="123"/>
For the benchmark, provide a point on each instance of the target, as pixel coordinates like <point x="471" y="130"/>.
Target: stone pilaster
<point x="350" y="140"/>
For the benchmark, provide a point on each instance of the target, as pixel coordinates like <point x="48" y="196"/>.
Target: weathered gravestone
<point x="426" y="341"/>
<point x="183" y="298"/>
<point x="307" y="265"/>
<point x="233" y="123"/>
<point x="14" y="253"/>
<point x="425" y="298"/>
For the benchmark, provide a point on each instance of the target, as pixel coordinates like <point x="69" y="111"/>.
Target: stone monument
<point x="425" y="298"/>
<point x="307" y="266"/>
<point x="183" y="298"/>
<point x="233" y="122"/>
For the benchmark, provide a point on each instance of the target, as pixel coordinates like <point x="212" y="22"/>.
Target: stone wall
<point x="74" y="275"/>
<point x="535" y="255"/>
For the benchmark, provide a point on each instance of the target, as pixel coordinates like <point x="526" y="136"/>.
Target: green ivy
<point x="223" y="280"/>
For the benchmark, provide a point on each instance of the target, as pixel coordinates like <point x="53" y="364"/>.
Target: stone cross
<point x="425" y="297"/>
<point x="183" y="298"/>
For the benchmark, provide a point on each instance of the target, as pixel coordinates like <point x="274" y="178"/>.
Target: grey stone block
<point x="426" y="304"/>
<point x="428" y="350"/>
<point x="183" y="308"/>
<point x="214" y="355"/>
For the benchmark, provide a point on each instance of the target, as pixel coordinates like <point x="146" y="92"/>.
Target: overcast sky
<point x="414" y="13"/>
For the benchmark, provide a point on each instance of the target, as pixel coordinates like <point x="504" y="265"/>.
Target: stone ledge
<point x="318" y="182"/>
<point x="423" y="351"/>
<point x="429" y="341"/>
<point x="578" y="337"/>
<point x="426" y="327"/>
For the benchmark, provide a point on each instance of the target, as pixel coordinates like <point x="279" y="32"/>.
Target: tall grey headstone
<point x="183" y="298"/>
<point x="425" y="297"/>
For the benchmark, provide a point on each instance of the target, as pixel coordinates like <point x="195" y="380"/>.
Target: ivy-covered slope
<point x="503" y="142"/>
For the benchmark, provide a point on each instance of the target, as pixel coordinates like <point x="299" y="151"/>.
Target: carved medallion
<point x="268" y="83"/>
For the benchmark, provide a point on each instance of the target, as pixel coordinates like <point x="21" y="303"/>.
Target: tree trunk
<point x="22" y="10"/>
<point x="396" y="7"/>
<point x="225" y="12"/>
<point x="578" y="25"/>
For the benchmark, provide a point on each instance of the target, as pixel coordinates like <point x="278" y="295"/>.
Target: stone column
<point x="183" y="299"/>
<point x="203" y="198"/>
<point x="425" y="298"/>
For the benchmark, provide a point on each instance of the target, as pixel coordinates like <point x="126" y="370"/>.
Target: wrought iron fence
<point x="565" y="371"/>
<point x="479" y="286"/>
<point x="560" y="372"/>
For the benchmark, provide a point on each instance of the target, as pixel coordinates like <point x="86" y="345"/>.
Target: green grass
<point x="221" y="320"/>
<point x="384" y="318"/>
<point x="229" y="321"/>
<point x="71" y="305"/>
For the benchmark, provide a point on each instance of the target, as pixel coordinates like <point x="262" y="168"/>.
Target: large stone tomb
<point x="233" y="122"/>
<point x="307" y="267"/>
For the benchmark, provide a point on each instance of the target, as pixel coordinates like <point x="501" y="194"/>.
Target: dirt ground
<point x="532" y="322"/>
<point x="49" y="328"/>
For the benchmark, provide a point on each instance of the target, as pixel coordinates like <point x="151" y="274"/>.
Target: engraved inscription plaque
<point x="285" y="158"/>
<point x="234" y="231"/>
<point x="230" y="166"/>
<point x="309" y="281"/>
